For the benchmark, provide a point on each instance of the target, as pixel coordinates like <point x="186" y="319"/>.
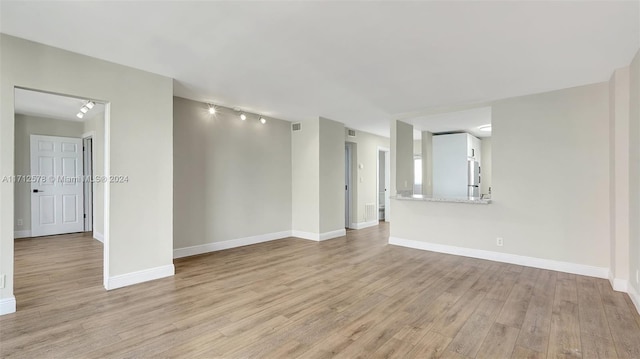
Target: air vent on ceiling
<point x="295" y="127"/>
<point x="351" y="133"/>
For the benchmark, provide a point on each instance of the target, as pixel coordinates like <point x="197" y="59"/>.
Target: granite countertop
<point x="418" y="197"/>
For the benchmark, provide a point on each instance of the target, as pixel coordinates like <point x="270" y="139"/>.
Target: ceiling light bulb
<point x="485" y="128"/>
<point x="90" y="105"/>
<point x="212" y="109"/>
<point x="84" y="109"/>
<point x="243" y="116"/>
<point x="80" y="115"/>
<point x="263" y="120"/>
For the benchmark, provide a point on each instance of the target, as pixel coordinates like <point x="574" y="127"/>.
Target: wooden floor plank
<point x="499" y="342"/>
<point x="351" y="297"/>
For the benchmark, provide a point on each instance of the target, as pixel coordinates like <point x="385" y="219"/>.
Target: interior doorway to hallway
<point x="383" y="180"/>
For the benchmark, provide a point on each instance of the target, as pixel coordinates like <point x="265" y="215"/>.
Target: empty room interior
<point x="322" y="179"/>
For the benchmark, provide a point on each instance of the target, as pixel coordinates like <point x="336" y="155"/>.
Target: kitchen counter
<point x="419" y="197"/>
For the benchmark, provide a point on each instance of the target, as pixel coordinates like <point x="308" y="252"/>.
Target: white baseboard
<point x="22" y="234"/>
<point x="574" y="268"/>
<point x="98" y="236"/>
<point x="635" y="297"/>
<point x="319" y="236"/>
<point x="306" y="235"/>
<point x="145" y="275"/>
<point x="333" y="234"/>
<point x="619" y="285"/>
<point x="361" y="225"/>
<point x="232" y="243"/>
<point x="7" y="305"/>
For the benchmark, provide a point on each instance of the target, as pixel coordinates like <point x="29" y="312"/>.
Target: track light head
<point x="243" y="117"/>
<point x="263" y="120"/>
<point x="212" y="109"/>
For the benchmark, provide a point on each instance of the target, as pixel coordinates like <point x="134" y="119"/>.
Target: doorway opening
<point x="383" y="180"/>
<point x="60" y="196"/>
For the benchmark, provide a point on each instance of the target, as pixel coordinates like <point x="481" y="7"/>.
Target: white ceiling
<point x="464" y="121"/>
<point x="41" y="104"/>
<point x="361" y="63"/>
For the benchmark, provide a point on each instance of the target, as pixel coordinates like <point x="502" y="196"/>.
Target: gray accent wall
<point x="232" y="178"/>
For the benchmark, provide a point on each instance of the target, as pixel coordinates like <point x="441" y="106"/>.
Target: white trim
<point x="574" y="268"/>
<point x="98" y="236"/>
<point x="7" y="305"/>
<point x="319" y="236"/>
<point x="305" y="235"/>
<point x="232" y="243"/>
<point x="107" y="197"/>
<point x="635" y="297"/>
<point x="145" y="275"/>
<point x="89" y="134"/>
<point x="333" y="234"/>
<point x="361" y="225"/>
<point x="619" y="285"/>
<point x="22" y="234"/>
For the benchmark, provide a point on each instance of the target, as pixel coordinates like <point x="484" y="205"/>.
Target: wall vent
<point x="369" y="212"/>
<point x="295" y="127"/>
<point x="351" y="133"/>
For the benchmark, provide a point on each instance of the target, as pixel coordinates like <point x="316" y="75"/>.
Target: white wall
<point x="366" y="192"/>
<point x="634" y="172"/>
<point x="402" y="154"/>
<point x="232" y="178"/>
<point x="619" y="173"/>
<point x="427" y="163"/>
<point x="553" y="205"/>
<point x="140" y="229"/>
<point x="331" y="176"/>
<point x="318" y="179"/>
<point x="96" y="124"/>
<point x="24" y="127"/>
<point x="305" y="156"/>
<point x="486" y="165"/>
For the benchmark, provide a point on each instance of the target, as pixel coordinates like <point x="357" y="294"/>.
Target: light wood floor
<point x="349" y="297"/>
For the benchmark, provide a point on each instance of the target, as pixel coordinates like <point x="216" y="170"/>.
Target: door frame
<point x="387" y="185"/>
<point x="87" y="157"/>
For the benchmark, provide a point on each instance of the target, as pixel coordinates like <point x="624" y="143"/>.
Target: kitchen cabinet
<point x="455" y="158"/>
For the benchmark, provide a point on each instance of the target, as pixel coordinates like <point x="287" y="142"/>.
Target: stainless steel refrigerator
<point x="473" y="188"/>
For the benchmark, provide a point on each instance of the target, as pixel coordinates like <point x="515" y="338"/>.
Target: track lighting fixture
<point x="243" y="117"/>
<point x="85" y="108"/>
<point x="212" y="109"/>
<point x="263" y="120"/>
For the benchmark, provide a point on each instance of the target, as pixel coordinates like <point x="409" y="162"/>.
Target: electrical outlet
<point x="19" y="221"/>
<point x="499" y="242"/>
<point x="2" y="277"/>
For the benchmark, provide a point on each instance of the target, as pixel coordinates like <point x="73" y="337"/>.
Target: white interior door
<point x="56" y="187"/>
<point x="387" y="181"/>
